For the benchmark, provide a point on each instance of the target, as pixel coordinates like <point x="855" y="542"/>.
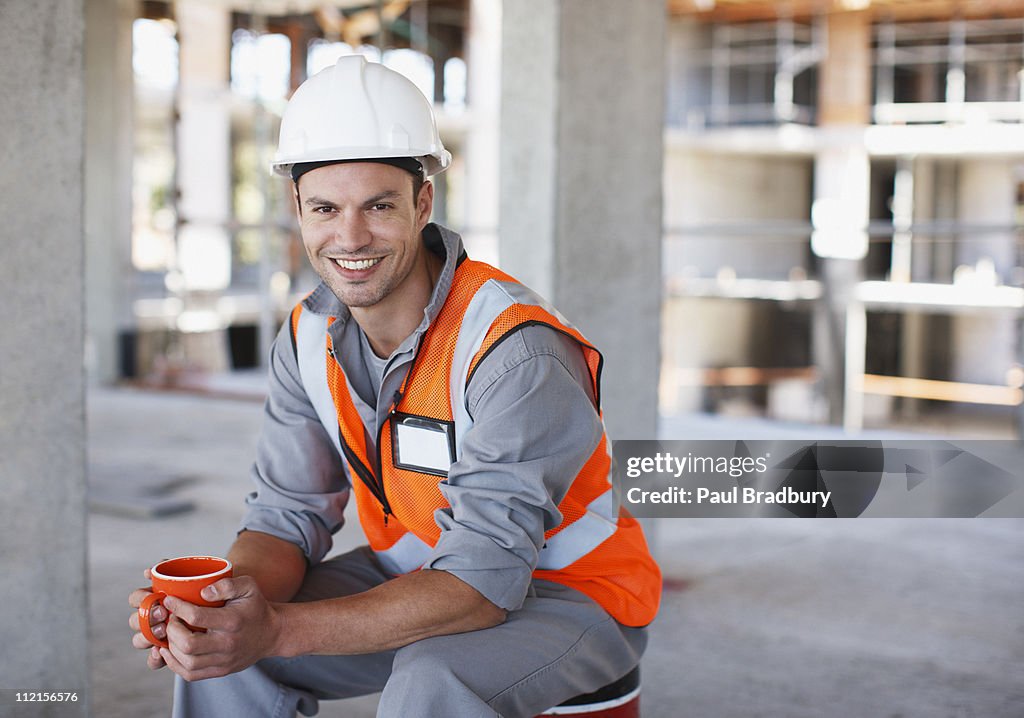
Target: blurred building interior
<point x="803" y="215"/>
<point x="844" y="194"/>
<point x="843" y="191"/>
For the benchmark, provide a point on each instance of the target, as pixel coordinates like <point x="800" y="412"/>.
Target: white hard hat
<point x="359" y="110"/>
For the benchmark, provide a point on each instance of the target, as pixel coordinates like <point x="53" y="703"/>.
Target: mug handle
<point x="144" y="610"/>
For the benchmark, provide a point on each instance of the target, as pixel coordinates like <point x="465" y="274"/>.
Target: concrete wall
<point x="581" y="160"/>
<point x="108" y="189"/>
<point x="42" y="423"/>
<point x="719" y="188"/>
<point x="988" y="195"/>
<point x="703" y="187"/>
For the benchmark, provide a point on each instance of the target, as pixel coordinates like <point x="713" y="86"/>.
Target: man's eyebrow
<point x="310" y="201"/>
<point x="321" y="202"/>
<point x="386" y="194"/>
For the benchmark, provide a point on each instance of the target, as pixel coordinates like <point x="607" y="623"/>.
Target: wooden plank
<point x="740" y="375"/>
<point x="958" y="391"/>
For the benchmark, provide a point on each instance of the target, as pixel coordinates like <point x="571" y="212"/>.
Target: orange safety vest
<point x="602" y="555"/>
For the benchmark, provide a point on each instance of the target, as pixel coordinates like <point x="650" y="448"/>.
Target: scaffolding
<point x="950" y="71"/>
<point x="761" y="72"/>
<point x="955" y="70"/>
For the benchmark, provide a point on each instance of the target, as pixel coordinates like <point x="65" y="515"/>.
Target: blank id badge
<point x="419" y="443"/>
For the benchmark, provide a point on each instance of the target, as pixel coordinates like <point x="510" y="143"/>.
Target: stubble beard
<point x="365" y="294"/>
<point x="355" y="295"/>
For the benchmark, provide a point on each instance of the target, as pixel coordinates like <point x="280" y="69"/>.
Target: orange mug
<point x="183" y="577"/>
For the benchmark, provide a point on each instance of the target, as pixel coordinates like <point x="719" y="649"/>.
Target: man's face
<point x="361" y="228"/>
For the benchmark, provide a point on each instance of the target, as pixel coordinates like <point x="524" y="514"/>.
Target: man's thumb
<point x="223" y="590"/>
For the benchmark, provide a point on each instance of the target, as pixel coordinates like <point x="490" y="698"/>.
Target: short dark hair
<point x="409" y="164"/>
<point x="417" y="184"/>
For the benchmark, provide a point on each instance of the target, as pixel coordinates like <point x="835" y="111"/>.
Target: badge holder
<point x="419" y="443"/>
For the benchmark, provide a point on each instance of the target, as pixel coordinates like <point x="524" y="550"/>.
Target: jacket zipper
<point x="380" y="468"/>
<point x="373" y="483"/>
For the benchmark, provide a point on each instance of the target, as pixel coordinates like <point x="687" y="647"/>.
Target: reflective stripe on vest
<point x="310" y="331"/>
<point x="581" y="536"/>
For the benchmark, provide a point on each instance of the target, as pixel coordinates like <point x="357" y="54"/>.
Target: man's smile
<point x="356" y="264"/>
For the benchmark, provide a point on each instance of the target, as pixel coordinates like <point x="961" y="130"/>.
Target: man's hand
<point x="158" y="616"/>
<point x="238" y="634"/>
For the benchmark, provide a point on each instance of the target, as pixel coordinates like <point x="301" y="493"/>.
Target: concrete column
<point x="914" y="357"/>
<point x="946" y="207"/>
<point x="923" y="254"/>
<point x="840" y="216"/>
<point x="204" y="170"/>
<point x="483" y="138"/>
<point x="841" y="206"/>
<point x="581" y="197"/>
<point x="108" y="186"/>
<point x="204" y="144"/>
<point x="42" y="439"/>
<point x="844" y="88"/>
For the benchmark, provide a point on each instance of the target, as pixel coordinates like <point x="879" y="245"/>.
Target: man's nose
<point x="352" y="232"/>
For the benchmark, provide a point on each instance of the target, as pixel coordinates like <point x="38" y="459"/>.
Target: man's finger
<point x="140" y="641"/>
<point x="189" y="674"/>
<point x="171" y="662"/>
<point x="188" y="642"/>
<point x="229" y="589"/>
<point x="136" y="597"/>
<point x="157" y="616"/>
<point x="154" y="660"/>
<point x="194" y="615"/>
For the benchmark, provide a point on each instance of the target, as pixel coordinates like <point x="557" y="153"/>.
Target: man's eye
<point x="323" y="209"/>
<point x="381" y="206"/>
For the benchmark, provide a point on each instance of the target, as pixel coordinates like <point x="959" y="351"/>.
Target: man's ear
<point x="424" y="204"/>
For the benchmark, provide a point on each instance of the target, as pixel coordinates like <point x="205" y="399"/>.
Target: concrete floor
<point x="761" y="617"/>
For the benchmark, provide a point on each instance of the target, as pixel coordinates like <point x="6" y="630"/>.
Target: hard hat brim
<point x="433" y="162"/>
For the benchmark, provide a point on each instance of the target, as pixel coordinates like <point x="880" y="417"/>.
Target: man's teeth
<point x="356" y="264"/>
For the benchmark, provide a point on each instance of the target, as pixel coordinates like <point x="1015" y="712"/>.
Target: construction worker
<point x="462" y="414"/>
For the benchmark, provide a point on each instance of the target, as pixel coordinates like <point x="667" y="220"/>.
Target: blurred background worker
<point x="462" y="412"/>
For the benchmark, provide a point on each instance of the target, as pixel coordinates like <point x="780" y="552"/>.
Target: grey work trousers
<point x="558" y="645"/>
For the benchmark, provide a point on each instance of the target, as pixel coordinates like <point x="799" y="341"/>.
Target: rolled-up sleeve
<point x="534" y="427"/>
<point x="301" y="484"/>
